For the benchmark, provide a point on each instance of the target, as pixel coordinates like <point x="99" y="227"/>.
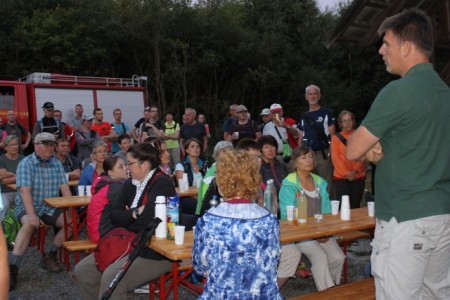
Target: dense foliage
<point x="204" y="54"/>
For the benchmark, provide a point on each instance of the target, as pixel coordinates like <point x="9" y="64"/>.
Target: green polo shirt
<point x="410" y="116"/>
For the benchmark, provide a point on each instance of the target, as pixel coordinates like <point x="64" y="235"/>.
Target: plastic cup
<point x="290" y="212"/>
<point x="235" y="135"/>
<point x="334" y="207"/>
<point x="179" y="235"/>
<point x="181" y="185"/>
<point x="88" y="190"/>
<point x="371" y="208"/>
<point x="67" y="177"/>
<point x="81" y="190"/>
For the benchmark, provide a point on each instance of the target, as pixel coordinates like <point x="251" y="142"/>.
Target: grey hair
<point x="192" y="110"/>
<point x="312" y="86"/>
<point x="8" y="139"/>
<point x="222" y="145"/>
<point x="97" y="144"/>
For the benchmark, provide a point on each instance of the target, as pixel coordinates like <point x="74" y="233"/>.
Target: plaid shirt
<point x="44" y="179"/>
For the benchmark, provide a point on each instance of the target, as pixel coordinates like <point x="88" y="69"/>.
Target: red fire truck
<point x="27" y="95"/>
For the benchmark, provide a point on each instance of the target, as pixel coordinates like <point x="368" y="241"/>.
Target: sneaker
<point x="50" y="264"/>
<point x="143" y="289"/>
<point x="13" y="272"/>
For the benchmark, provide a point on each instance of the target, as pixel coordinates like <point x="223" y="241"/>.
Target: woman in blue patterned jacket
<point x="237" y="244"/>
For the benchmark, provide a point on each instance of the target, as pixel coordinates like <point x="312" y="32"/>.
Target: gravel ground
<point x="36" y="283"/>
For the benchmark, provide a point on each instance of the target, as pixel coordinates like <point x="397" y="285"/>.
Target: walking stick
<point x="140" y="242"/>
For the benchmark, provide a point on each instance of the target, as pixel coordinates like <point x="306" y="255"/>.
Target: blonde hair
<point x="238" y="175"/>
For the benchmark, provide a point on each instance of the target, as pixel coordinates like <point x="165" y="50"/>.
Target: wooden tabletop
<point x="330" y="225"/>
<point x="192" y="192"/>
<point x="13" y="186"/>
<point x="67" y="202"/>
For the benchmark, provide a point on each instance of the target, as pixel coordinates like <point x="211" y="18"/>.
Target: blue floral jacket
<point x="237" y="248"/>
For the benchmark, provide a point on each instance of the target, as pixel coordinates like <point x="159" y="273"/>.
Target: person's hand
<point x="34" y="220"/>
<point x="351" y="175"/>
<point x="141" y="209"/>
<point x="322" y="240"/>
<point x="375" y="154"/>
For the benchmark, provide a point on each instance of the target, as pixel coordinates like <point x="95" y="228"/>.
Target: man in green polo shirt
<point x="406" y="133"/>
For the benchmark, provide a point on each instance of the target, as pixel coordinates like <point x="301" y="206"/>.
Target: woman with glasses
<point x="349" y="176"/>
<point x="94" y="170"/>
<point x="135" y="212"/>
<point x="8" y="166"/>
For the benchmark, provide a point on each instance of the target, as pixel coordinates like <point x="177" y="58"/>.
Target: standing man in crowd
<point x="153" y="127"/>
<point x="193" y="129"/>
<point x="104" y="129"/>
<point x="68" y="131"/>
<point x="243" y="127"/>
<point x="411" y="249"/>
<point x="266" y="117"/>
<point x="75" y="123"/>
<point x="39" y="175"/>
<point x="229" y="121"/>
<point x="317" y="126"/>
<point x="119" y="128"/>
<point x="12" y="127"/>
<point x="48" y="123"/>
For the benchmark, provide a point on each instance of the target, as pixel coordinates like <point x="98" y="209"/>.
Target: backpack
<point x="11" y="227"/>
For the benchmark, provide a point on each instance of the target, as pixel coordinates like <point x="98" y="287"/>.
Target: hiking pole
<point x="140" y="242"/>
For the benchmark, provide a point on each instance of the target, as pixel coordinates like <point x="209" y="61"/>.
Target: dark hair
<point x="96" y="110"/>
<point x="189" y="141"/>
<point x="301" y="151"/>
<point x="146" y="152"/>
<point x="57" y="110"/>
<point x="109" y="163"/>
<point x="246" y="144"/>
<point x="122" y="137"/>
<point x="60" y="140"/>
<point x="412" y="25"/>
<point x="266" y="140"/>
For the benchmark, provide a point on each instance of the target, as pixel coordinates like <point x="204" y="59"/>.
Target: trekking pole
<point x="140" y="242"/>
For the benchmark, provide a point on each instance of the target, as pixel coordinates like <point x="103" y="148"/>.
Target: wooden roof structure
<point x="361" y="20"/>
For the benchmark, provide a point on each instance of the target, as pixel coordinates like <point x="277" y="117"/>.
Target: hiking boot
<point x="13" y="272"/>
<point x="50" y="264"/>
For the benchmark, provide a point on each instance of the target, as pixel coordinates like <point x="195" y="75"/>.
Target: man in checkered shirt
<point x="39" y="176"/>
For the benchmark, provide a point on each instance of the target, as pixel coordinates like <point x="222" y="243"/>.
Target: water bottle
<point x="213" y="202"/>
<point x="318" y="216"/>
<point x="302" y="208"/>
<point x="270" y="201"/>
<point x="161" y="212"/>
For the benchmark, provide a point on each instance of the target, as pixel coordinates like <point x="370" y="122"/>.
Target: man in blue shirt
<point x="39" y="176"/>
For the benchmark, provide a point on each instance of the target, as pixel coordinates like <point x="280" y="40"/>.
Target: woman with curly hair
<point x="237" y="244"/>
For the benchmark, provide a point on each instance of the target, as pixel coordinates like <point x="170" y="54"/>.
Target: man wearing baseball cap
<point x="283" y="129"/>
<point x="48" y="123"/>
<point x="266" y="117"/>
<point x="39" y="176"/>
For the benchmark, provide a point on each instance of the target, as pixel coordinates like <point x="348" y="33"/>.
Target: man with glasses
<point x="48" y="123"/>
<point x="39" y="176"/>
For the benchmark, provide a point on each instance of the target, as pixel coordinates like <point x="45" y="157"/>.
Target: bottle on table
<point x="270" y="198"/>
<point x="302" y="205"/>
<point x="318" y="216"/>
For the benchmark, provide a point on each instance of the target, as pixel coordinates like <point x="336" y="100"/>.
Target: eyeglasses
<point x="130" y="163"/>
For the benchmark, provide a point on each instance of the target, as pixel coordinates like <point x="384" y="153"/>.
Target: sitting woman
<point x="193" y="166"/>
<point x="137" y="210"/>
<point x="325" y="255"/>
<point x="99" y="152"/>
<point x="237" y="244"/>
<point x="8" y="167"/>
<point x="105" y="198"/>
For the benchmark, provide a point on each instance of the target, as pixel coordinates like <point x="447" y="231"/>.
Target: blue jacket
<point x="291" y="185"/>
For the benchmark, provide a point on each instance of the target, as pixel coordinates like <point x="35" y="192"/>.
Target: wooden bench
<point x="361" y="290"/>
<point x="346" y="238"/>
<point x="86" y="246"/>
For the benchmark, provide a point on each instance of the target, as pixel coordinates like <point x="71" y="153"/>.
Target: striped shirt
<point x="45" y="180"/>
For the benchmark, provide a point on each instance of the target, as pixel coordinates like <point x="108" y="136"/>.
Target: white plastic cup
<point x="345" y="208"/>
<point x="334" y="207"/>
<point x="185" y="177"/>
<point x="181" y="185"/>
<point x="81" y="190"/>
<point x="290" y="212"/>
<point x="67" y="177"/>
<point x="88" y="190"/>
<point x="371" y="208"/>
<point x="235" y="135"/>
<point x="179" y="235"/>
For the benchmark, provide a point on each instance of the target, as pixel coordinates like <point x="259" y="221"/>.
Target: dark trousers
<point x="354" y="189"/>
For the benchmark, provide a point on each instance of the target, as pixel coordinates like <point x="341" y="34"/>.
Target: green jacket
<point x="290" y="186"/>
